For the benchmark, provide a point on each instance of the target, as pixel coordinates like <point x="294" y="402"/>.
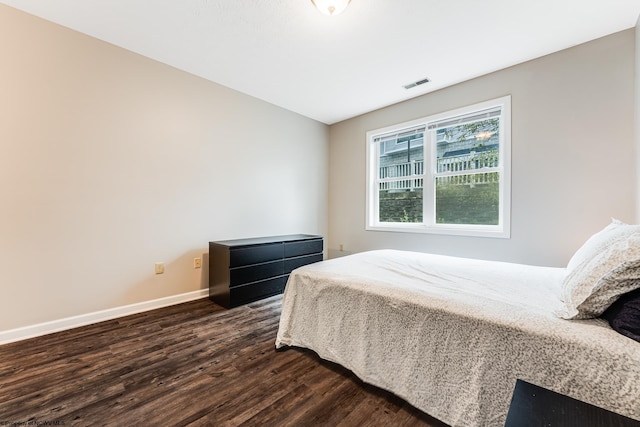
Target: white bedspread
<point x="452" y="335"/>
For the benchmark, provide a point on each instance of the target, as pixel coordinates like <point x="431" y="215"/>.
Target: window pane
<point x="400" y="206"/>
<point x="468" y="146"/>
<point x="401" y="172"/>
<point x="464" y="198"/>
<point x="468" y="199"/>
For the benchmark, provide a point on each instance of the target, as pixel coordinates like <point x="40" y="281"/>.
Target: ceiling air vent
<point x="418" y="83"/>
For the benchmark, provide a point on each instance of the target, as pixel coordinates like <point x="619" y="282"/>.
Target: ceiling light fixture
<point x="331" y="7"/>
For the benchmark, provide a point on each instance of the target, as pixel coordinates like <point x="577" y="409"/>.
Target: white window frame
<point x="502" y="230"/>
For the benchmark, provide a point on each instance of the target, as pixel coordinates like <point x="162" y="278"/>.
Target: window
<point x="447" y="174"/>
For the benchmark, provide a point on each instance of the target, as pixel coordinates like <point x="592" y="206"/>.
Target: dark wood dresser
<point x="245" y="270"/>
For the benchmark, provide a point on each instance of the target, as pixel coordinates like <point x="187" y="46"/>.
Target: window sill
<point x="449" y="229"/>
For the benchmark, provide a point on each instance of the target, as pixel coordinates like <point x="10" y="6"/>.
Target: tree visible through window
<point x="447" y="173"/>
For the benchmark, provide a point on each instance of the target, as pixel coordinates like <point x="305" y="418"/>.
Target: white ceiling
<point x="333" y="68"/>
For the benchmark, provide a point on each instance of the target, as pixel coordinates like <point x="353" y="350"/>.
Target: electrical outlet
<point x="159" y="266"/>
<point x="197" y="263"/>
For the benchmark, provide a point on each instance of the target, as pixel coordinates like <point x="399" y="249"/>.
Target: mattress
<point x="452" y="335"/>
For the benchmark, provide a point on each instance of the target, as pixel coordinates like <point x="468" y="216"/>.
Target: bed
<point x="451" y="336"/>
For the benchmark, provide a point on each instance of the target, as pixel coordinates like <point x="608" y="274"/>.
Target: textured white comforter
<point x="452" y="335"/>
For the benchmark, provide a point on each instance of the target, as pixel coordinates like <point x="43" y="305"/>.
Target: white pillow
<point x="596" y="243"/>
<point x="606" y="267"/>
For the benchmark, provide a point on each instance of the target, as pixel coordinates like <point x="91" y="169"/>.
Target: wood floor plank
<point x="192" y="364"/>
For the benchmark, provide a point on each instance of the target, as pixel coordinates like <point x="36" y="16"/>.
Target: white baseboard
<point x="39" y="329"/>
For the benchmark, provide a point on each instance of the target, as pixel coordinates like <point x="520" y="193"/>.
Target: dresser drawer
<point x="305" y="247"/>
<point x="248" y="255"/>
<point x="253" y="273"/>
<point x="291" y="264"/>
<point x="254" y="291"/>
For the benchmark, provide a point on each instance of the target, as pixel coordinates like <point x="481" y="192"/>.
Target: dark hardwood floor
<point x="192" y="364"/>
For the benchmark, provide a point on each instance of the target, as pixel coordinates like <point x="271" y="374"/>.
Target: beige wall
<point x="573" y="161"/>
<point x="110" y="162"/>
<point x="637" y="120"/>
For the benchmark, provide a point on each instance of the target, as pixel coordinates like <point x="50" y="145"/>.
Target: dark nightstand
<point x="536" y="406"/>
